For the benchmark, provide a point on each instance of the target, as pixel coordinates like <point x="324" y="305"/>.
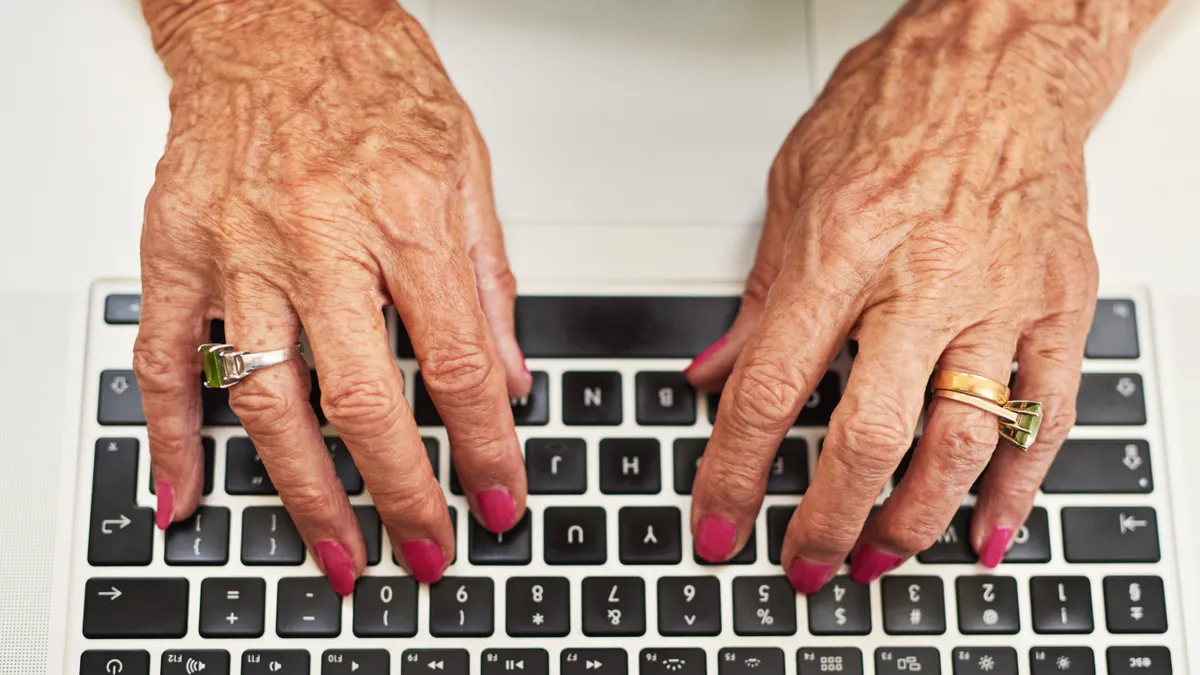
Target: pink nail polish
<point x="165" y="512"/>
<point x="707" y="353"/>
<point x="497" y="509"/>
<point x="338" y="566"/>
<point x="996" y="546"/>
<point x="715" y="537"/>
<point x="425" y="560"/>
<point x="870" y="563"/>
<point x="806" y="576"/>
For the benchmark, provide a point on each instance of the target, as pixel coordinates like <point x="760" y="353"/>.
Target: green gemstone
<point x="214" y="370"/>
<point x="1023" y="432"/>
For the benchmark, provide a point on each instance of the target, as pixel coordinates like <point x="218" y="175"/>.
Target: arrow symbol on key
<point x="1130" y="524"/>
<point x="121" y="522"/>
<point x="111" y="595"/>
<point x="689" y="618"/>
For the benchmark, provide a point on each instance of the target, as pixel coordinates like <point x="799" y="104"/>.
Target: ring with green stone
<point x="224" y="366"/>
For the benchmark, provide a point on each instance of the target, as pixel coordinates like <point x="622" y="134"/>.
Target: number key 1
<point x="461" y="607"/>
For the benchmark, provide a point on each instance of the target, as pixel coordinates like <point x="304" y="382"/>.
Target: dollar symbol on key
<point x="840" y="613"/>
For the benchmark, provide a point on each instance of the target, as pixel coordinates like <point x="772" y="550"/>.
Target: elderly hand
<point x="320" y="166"/>
<point x="932" y="206"/>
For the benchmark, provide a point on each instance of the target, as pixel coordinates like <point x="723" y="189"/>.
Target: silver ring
<point x="224" y="366"/>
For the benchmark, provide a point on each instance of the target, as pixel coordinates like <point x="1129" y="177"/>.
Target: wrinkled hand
<point x="320" y="165"/>
<point x="932" y="206"/>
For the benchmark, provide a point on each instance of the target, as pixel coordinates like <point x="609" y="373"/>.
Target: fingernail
<point x="706" y="354"/>
<point x="338" y="566"/>
<point x="806" y="576"/>
<point x="715" y="537"/>
<point x="425" y="560"/>
<point x="165" y="513"/>
<point x="497" y="509"/>
<point x="870" y="563"/>
<point x="996" y="547"/>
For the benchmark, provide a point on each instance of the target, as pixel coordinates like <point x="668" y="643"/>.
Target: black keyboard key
<point x="630" y="466"/>
<point x="455" y="484"/>
<point x="751" y="661"/>
<point x="135" y="608"/>
<point x="120" y="535"/>
<point x="461" y="607"/>
<point x="514" y="547"/>
<point x="650" y="535"/>
<point x="244" y="470"/>
<point x="663" y="661"/>
<point x="121" y="308"/>
<point x="426" y="661"/>
<point x="664" y="398"/>
<point x="954" y="546"/>
<point x="269" y="537"/>
<point x="538" y="607"/>
<point x="1031" y="543"/>
<point x="1114" y="332"/>
<point x="591" y="398"/>
<point x="820" y="404"/>
<point x="593" y="662"/>
<point x="343" y="465"/>
<point x="368" y="522"/>
<point x="913" y="605"/>
<point x="360" y="661"/>
<point x="232" y="607"/>
<point x="1110" y="399"/>
<point x="1110" y="534"/>
<point x="533" y="409"/>
<point x="275" y="662"/>
<point x="208" y="446"/>
<point x="575" y="535"/>
<point x="202" y="539"/>
<point x="114" y="472"/>
<point x="906" y="660"/>
<point x="217" y="413"/>
<point x="385" y="607"/>
<point x="120" y="399"/>
<point x="556" y="466"/>
<point x="987" y="605"/>
<point x="109" y="661"/>
<point x="194" y="661"/>
<point x="687" y="453"/>
<point x="614" y="607"/>
<point x="825" y="660"/>
<point x="841" y="607"/>
<point x="524" y="661"/>
<point x="778" y="518"/>
<point x="1135" y="605"/>
<point x="424" y="411"/>
<point x="1061" y="604"/>
<point x="307" y="607"/>
<point x="614" y="326"/>
<point x="431" y="451"/>
<point x="1100" y="466"/>
<point x="1139" y="661"/>
<point x="747" y="556"/>
<point x="689" y="606"/>
<point x="984" y="661"/>
<point x="1062" y="661"/>
<point x="763" y="606"/>
<point x="789" y="471"/>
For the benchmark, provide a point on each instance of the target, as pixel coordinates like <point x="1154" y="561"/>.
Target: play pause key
<point x="522" y="661"/>
<point x="431" y="661"/>
<point x="358" y="661"/>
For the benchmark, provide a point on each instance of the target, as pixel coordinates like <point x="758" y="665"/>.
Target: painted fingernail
<point x="996" y="547"/>
<point x="338" y="566"/>
<point x="707" y="353"/>
<point x="870" y="563"/>
<point x="806" y="576"/>
<point x="715" y="537"/>
<point x="165" y="512"/>
<point x="497" y="509"/>
<point x="425" y="560"/>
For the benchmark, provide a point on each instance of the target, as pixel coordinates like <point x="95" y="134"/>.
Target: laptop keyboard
<point x="599" y="577"/>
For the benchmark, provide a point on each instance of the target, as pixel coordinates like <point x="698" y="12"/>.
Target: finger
<point x="494" y="278"/>
<point x="273" y="406"/>
<point x="458" y="362"/>
<point x="954" y="449"/>
<point x="1049" y="360"/>
<point x="362" y="394"/>
<point x="709" y="370"/>
<point x="871" y="429"/>
<point x="173" y="324"/>
<point x="772" y="381"/>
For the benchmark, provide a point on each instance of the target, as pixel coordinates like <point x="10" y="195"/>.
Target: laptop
<point x="622" y="283"/>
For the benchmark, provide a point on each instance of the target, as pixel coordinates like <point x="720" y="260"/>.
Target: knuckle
<point x="406" y="503"/>
<point x="155" y="365"/>
<point x="911" y="533"/>
<point x="359" y="405"/>
<point x="307" y="503"/>
<point x="1058" y="417"/>
<point x="735" y="485"/>
<point x="875" y="438"/>
<point x="966" y="444"/>
<point x="823" y="532"/>
<point x="459" y="370"/>
<point x="763" y="398"/>
<point x="262" y="408"/>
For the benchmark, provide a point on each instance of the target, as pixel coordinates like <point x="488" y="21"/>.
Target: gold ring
<point x="972" y="385"/>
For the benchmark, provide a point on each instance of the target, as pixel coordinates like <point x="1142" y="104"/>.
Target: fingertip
<point x="807" y="576"/>
<point x="164" y="512"/>
<point x="426" y="560"/>
<point x="715" y="537"/>
<point x="497" y="509"/>
<point x="995" y="547"/>
<point x="869" y="563"/>
<point x="339" y="567"/>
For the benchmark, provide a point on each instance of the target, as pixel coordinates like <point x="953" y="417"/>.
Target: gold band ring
<point x="1019" y="420"/>
<point x="972" y="385"/>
